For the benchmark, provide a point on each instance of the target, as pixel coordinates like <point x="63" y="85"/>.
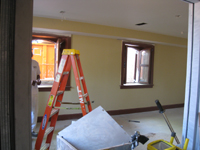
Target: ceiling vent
<point x="191" y="1"/>
<point x="141" y="24"/>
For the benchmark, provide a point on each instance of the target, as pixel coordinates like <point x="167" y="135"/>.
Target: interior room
<point x="102" y="70"/>
<point x="101" y="31"/>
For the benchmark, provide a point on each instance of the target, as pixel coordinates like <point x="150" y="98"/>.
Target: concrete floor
<point x="152" y="125"/>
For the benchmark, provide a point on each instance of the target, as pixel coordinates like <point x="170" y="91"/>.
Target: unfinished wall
<point x="101" y="62"/>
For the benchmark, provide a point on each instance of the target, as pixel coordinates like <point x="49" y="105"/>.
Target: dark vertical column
<point x="22" y="74"/>
<point x="15" y="74"/>
<point x="7" y="45"/>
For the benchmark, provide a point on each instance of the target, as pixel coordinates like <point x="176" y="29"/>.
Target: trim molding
<point x="117" y="112"/>
<point x="69" y="33"/>
<point x="144" y="109"/>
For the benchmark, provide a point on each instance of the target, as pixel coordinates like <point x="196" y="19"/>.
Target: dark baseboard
<point x="145" y="109"/>
<point x="117" y="112"/>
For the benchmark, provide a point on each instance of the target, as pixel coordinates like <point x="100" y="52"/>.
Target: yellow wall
<point x="101" y="63"/>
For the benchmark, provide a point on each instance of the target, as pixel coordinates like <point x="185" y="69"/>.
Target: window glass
<point x="144" y="74"/>
<point x="131" y="68"/>
<point x="145" y="57"/>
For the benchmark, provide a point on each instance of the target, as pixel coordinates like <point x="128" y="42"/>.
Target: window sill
<point x="46" y="88"/>
<point x="136" y="85"/>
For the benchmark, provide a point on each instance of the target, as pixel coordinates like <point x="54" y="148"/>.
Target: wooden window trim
<point x="66" y="45"/>
<point x="138" y="46"/>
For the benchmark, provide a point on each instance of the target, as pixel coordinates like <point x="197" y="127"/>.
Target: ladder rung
<point x="73" y="103"/>
<point x="67" y="108"/>
<point x="53" y="112"/>
<point x="49" y="130"/>
<point x="59" y="92"/>
<point x="64" y="73"/>
<point x="85" y="95"/>
<point x="45" y="146"/>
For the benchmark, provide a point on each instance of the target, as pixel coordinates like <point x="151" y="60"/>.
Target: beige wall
<point x="101" y="63"/>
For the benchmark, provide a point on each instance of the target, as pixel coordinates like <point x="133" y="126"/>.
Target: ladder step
<point x="49" y="130"/>
<point x="67" y="108"/>
<point x="73" y="103"/>
<point x="64" y="73"/>
<point x="53" y="112"/>
<point x="85" y="95"/>
<point x="45" y="146"/>
<point x="59" y="92"/>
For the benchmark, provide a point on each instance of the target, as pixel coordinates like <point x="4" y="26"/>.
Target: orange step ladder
<point x="70" y="57"/>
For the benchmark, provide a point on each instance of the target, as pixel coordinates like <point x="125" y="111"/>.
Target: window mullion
<point x="57" y="53"/>
<point x="139" y="66"/>
<point x="124" y="64"/>
<point x="135" y="73"/>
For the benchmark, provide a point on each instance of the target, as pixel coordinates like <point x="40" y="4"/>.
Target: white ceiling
<point x="160" y="15"/>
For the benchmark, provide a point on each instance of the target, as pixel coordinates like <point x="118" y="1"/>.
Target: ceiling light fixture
<point x="62" y="17"/>
<point x="62" y="12"/>
<point x="177" y="16"/>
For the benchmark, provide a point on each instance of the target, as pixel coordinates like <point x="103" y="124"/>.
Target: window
<point x="44" y="53"/>
<point x="47" y="50"/>
<point x="137" y="65"/>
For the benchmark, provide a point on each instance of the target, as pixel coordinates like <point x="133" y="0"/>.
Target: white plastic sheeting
<point x="192" y="90"/>
<point x="96" y="130"/>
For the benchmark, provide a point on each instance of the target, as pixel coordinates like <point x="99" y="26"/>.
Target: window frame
<point x="140" y="47"/>
<point x="65" y="43"/>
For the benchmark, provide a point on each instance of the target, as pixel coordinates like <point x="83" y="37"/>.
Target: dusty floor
<point x="151" y="124"/>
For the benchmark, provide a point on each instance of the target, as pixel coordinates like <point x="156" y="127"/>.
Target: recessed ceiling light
<point x="178" y="16"/>
<point x="62" y="12"/>
<point x="141" y="24"/>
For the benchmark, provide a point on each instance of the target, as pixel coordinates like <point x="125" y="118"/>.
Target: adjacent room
<point x="104" y="45"/>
